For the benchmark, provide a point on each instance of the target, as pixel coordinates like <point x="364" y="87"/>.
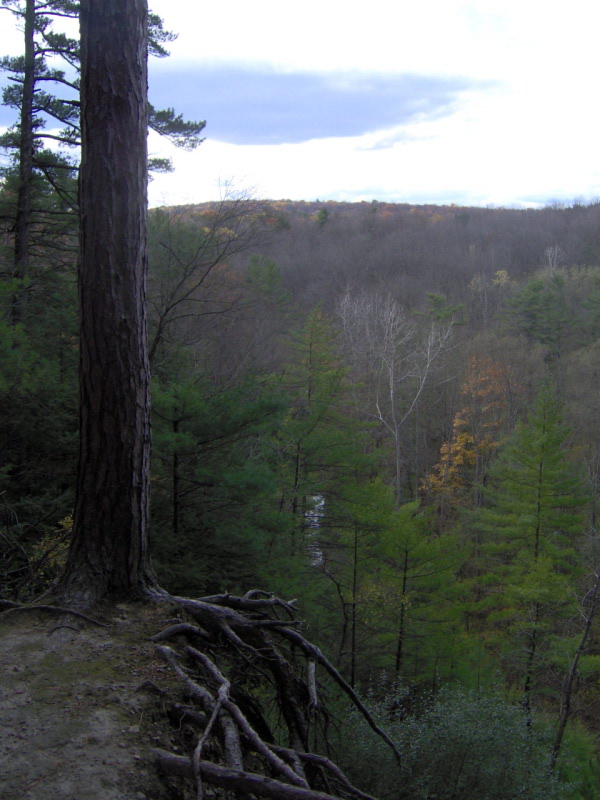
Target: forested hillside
<point x="389" y="412"/>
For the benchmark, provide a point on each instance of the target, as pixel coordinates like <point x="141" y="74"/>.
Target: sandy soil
<point x="74" y="722"/>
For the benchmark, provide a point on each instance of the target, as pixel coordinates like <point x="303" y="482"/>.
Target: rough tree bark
<point x="109" y="552"/>
<point x="23" y="211"/>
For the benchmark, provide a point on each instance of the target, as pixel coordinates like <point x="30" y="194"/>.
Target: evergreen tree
<point x="346" y="554"/>
<point x="31" y="75"/>
<point x="406" y="595"/>
<point x="33" y="161"/>
<point x="36" y="165"/>
<point x="541" y="313"/>
<point x="215" y="519"/>
<point x="38" y="423"/>
<point x="311" y="446"/>
<point x="528" y="531"/>
<point x="325" y="477"/>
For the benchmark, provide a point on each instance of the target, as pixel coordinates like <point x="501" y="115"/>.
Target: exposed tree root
<point x="248" y="650"/>
<point x="15" y="608"/>
<point x="9" y="604"/>
<point x="241" y="781"/>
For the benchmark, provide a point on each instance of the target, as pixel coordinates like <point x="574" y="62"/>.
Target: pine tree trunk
<point x="529" y="669"/>
<point x="109" y="553"/>
<point x="24" y="194"/>
<point x="402" y="624"/>
<point x="354" y="617"/>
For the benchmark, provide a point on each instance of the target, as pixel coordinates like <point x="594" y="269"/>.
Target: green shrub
<point x="458" y="745"/>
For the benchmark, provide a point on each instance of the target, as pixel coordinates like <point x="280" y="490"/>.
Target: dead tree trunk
<point x="588" y="610"/>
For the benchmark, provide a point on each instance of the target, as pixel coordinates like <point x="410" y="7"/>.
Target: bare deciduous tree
<point x="395" y="358"/>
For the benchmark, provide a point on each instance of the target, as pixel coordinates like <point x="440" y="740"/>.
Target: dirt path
<point x="74" y="724"/>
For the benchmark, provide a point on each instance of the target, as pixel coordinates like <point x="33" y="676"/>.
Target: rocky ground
<point x="77" y="715"/>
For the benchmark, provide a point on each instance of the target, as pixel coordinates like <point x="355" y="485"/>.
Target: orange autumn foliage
<point x="478" y="429"/>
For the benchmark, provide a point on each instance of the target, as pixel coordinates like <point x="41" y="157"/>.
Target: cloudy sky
<point x="436" y="101"/>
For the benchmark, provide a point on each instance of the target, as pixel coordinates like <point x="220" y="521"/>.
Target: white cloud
<point x="532" y="133"/>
